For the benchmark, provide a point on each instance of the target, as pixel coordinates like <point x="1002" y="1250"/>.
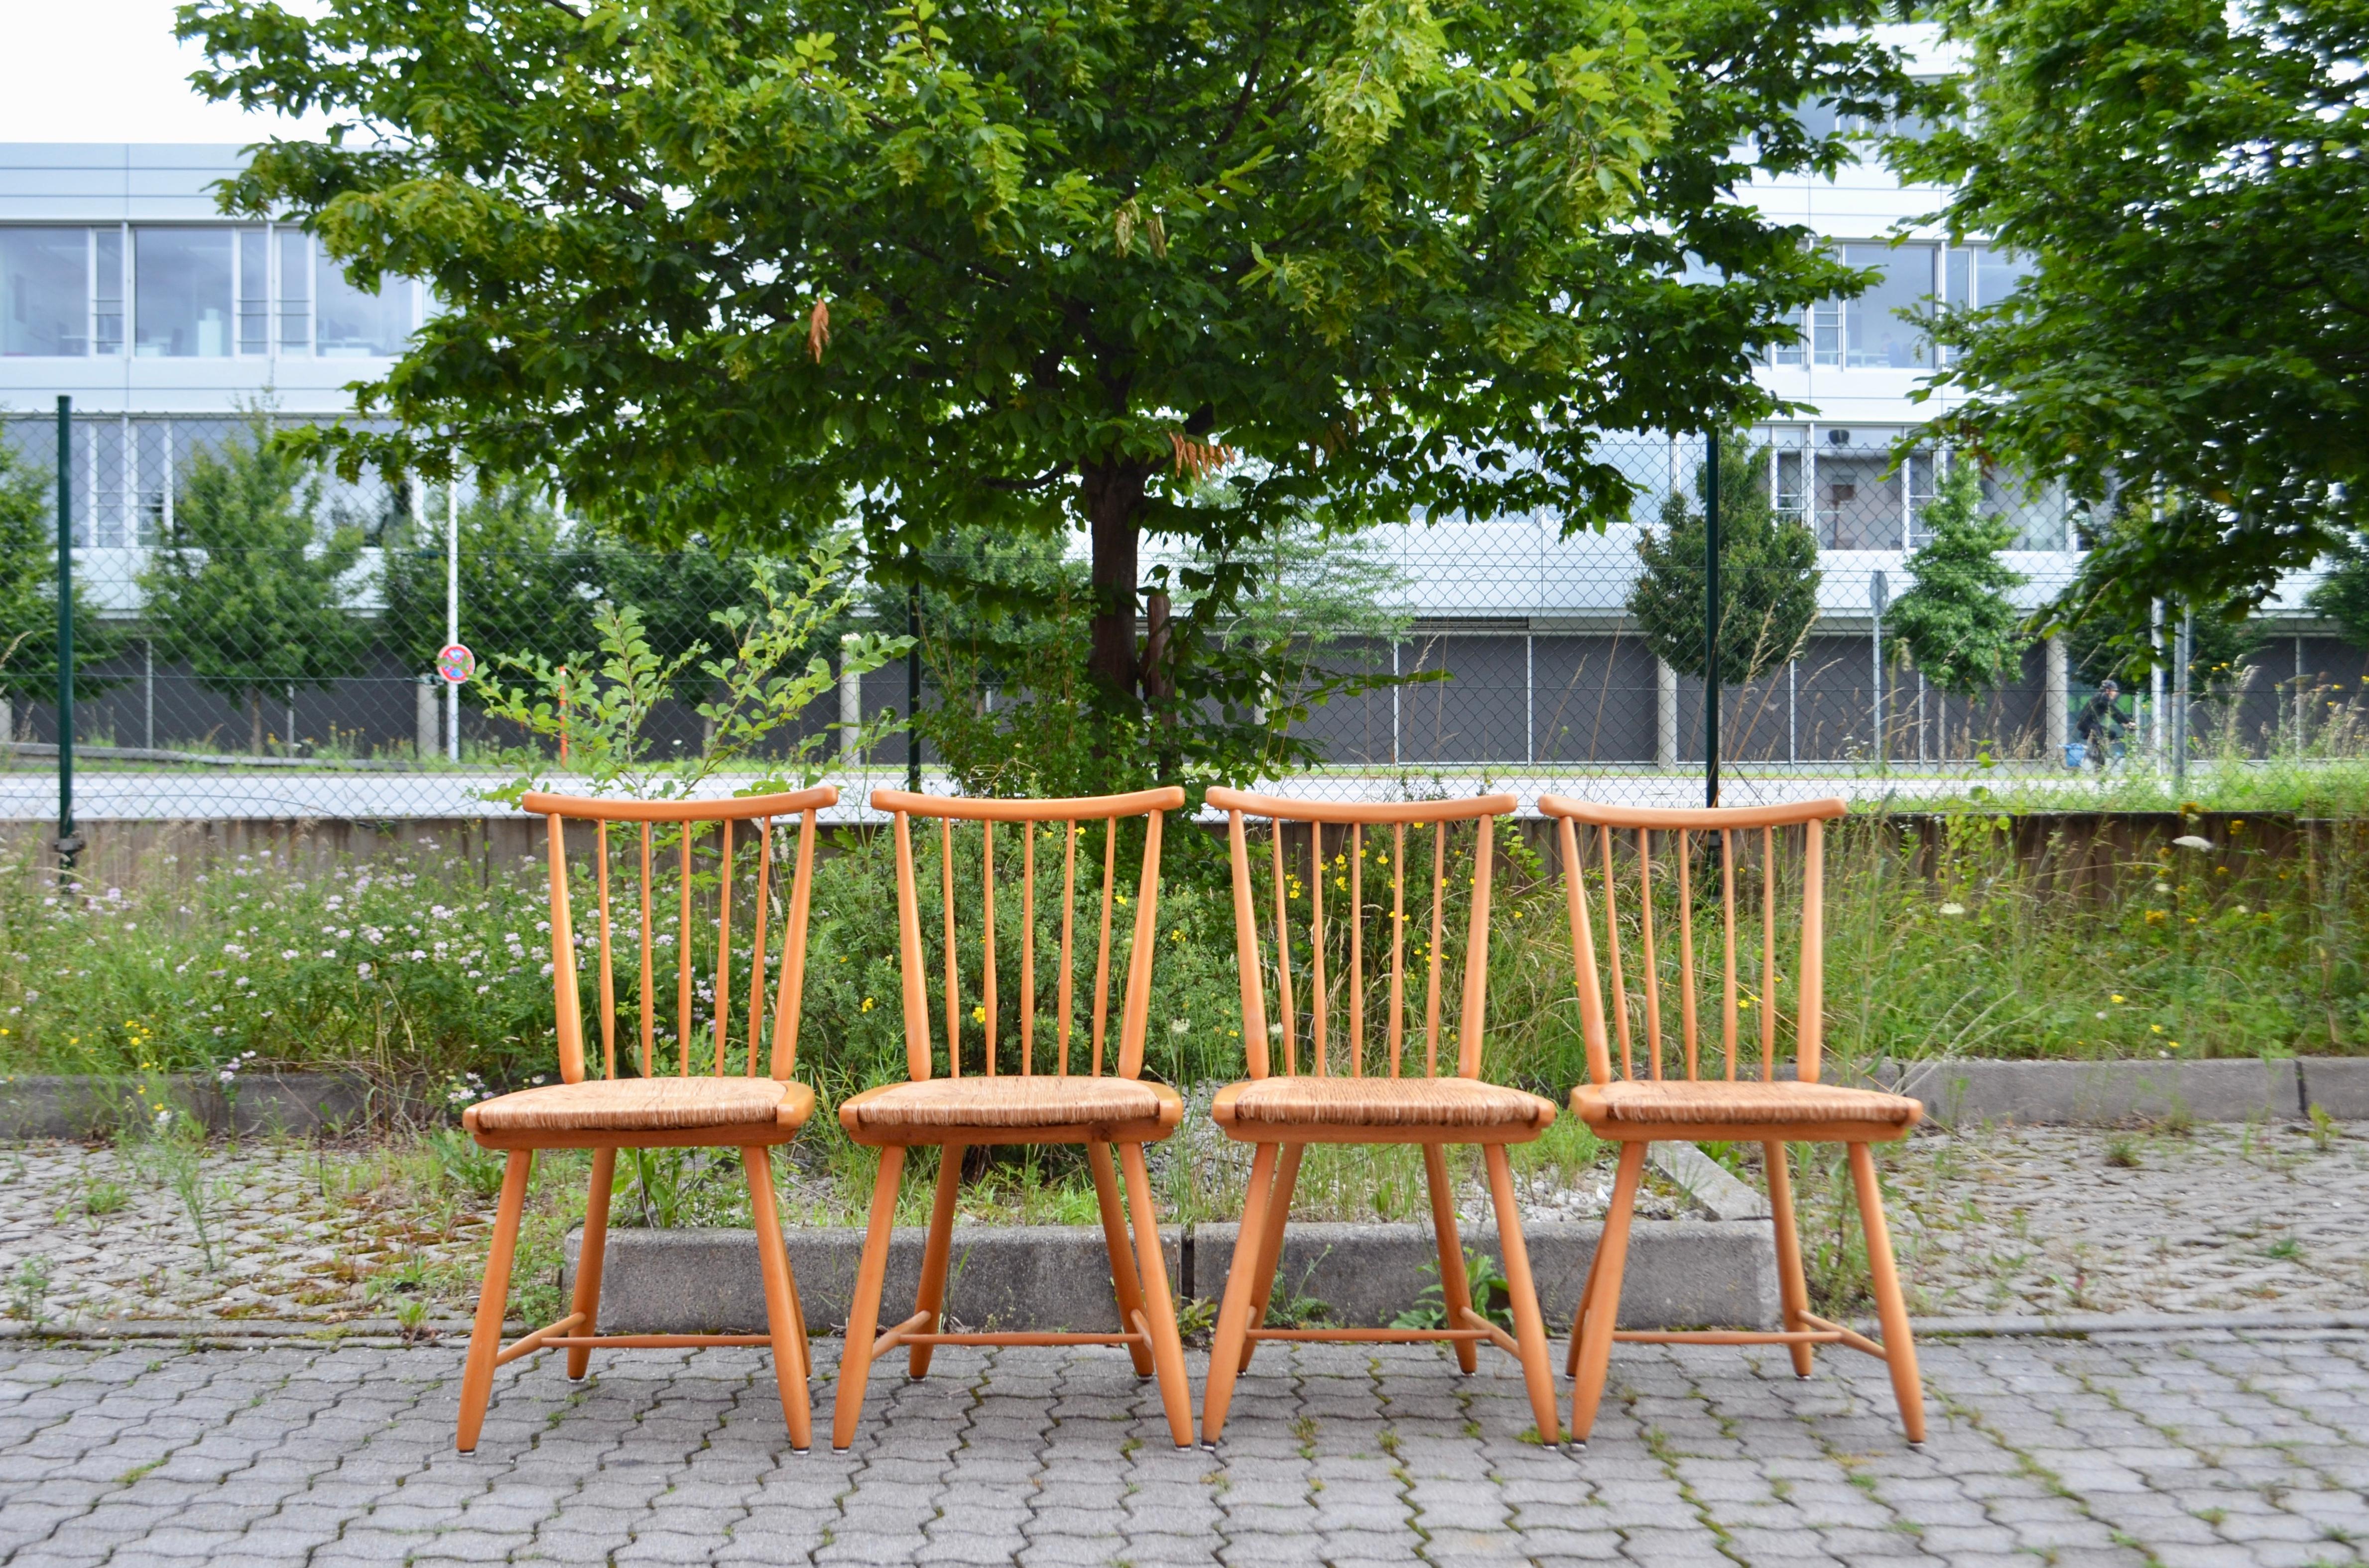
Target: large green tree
<point x="1956" y="620"/>
<point x="249" y="590"/>
<point x="743" y="268"/>
<point x="2192" y="349"/>
<point x="29" y="598"/>
<point x="1768" y="575"/>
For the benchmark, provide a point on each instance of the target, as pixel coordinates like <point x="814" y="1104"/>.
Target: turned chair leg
<point x="1125" y="1287"/>
<point x="1792" y="1285"/>
<point x="1286" y="1178"/>
<point x="1455" y="1289"/>
<point x="589" y="1256"/>
<point x="773" y="1268"/>
<point x="932" y="1296"/>
<point x="493" y="1302"/>
<point x="1156" y="1320"/>
<point x="864" y="1310"/>
<point x="1891" y="1310"/>
<point x="1602" y="1309"/>
<point x="1235" y="1309"/>
<point x="1529" y="1324"/>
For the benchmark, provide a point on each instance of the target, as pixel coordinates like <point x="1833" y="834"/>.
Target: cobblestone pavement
<point x="2206" y="1449"/>
<point x="2221" y="1218"/>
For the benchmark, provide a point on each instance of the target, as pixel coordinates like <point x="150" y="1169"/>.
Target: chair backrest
<point x="1111" y="811"/>
<point x="676" y="825"/>
<point x="1336" y="948"/>
<point x="1670" y="878"/>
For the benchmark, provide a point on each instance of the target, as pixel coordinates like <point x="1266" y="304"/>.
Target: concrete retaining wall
<point x="2102" y="1092"/>
<point x="1680" y="1274"/>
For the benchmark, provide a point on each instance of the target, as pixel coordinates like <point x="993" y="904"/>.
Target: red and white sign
<point x="455" y="663"/>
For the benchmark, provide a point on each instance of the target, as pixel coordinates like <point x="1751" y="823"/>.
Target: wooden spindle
<point x="1727" y="947"/>
<point x="954" y="984"/>
<point x="562" y="960"/>
<point x="1438" y="928"/>
<point x="1283" y="954"/>
<point x="682" y="963"/>
<point x="911" y="972"/>
<point x="1653" y="974"/>
<point x="1583" y="947"/>
<point x="1356" y="951"/>
<point x="649" y="1016"/>
<point x="756" y="941"/>
<point x="1027" y="948"/>
<point x="1612" y="945"/>
<point x="1810" y="967"/>
<point x="789" y="996"/>
<point x="723" y="942"/>
<point x="1476" y="952"/>
<point x="1398" y="943"/>
<point x="1769" y="954"/>
<point x="1068" y="916"/>
<point x="1139" y="959"/>
<point x="1687" y="952"/>
<point x="1320" y="1003"/>
<point x="1101" y="956"/>
<point x="1247" y="966"/>
<point x="608" y="976"/>
<point x="987" y="958"/>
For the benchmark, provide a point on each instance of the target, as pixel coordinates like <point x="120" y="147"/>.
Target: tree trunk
<point x="1114" y="493"/>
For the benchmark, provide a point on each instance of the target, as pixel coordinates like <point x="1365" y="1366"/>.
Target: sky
<point x="109" y="70"/>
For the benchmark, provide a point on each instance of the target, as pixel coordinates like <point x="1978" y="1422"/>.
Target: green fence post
<point x="1710" y="621"/>
<point x="68" y="841"/>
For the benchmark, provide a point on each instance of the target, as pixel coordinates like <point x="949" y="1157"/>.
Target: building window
<point x="295" y="291"/>
<point x="44" y="291"/>
<point x="354" y="323"/>
<point x="1877" y="330"/>
<point x="253" y="291"/>
<point x="182" y="289"/>
<point x="107" y="291"/>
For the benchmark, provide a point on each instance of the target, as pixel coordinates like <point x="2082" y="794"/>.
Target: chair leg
<point x="773" y="1268"/>
<point x="1159" y="1307"/>
<point x="588" y="1258"/>
<point x="1286" y="1177"/>
<point x="1529" y="1325"/>
<point x="1602" y="1309"/>
<point x="1899" y="1348"/>
<point x="1455" y="1290"/>
<point x="1792" y="1286"/>
<point x="864" y="1310"/>
<point x="1579" y="1317"/>
<point x="493" y="1302"/>
<point x="1124" y="1285"/>
<point x="931" y="1297"/>
<point x="1234" y="1310"/>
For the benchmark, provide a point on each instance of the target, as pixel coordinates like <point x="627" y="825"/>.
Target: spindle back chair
<point x="1106" y="1106"/>
<point x="664" y="1102"/>
<point x="1670" y="1098"/>
<point x="1363" y="1081"/>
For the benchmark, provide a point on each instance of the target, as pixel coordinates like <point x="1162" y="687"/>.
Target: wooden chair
<point x="1637" y="1112"/>
<point x="750" y="1111"/>
<point x="1338" y="1101"/>
<point x="992" y="1105"/>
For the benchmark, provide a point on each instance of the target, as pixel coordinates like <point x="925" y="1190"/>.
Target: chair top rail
<point x="1693" y="817"/>
<point x="1409" y="812"/>
<point x="1089" y="807"/>
<point x="733" y="808"/>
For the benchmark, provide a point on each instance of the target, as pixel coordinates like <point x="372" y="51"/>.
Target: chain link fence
<point x="258" y="641"/>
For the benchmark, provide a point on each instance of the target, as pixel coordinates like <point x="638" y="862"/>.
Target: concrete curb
<point x="1681" y="1272"/>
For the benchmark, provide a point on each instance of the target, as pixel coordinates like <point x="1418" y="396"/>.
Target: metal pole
<point x="1711" y="620"/>
<point x="453" y="608"/>
<point x="913" y="674"/>
<point x="2183" y="655"/>
<point x="1879" y="596"/>
<point x="68" y="841"/>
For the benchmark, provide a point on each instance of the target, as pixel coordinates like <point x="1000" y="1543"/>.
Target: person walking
<point x="2101" y="723"/>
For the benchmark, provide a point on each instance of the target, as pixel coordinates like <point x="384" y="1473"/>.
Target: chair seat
<point x="644" y="1104"/>
<point x="1006" y="1102"/>
<point x="1379" y="1103"/>
<point x="1740" y="1104"/>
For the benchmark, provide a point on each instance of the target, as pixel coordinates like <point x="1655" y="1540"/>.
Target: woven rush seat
<point x="644" y="1104"/>
<point x="1005" y="1102"/>
<point x="1377" y="1102"/>
<point x="1740" y="1104"/>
